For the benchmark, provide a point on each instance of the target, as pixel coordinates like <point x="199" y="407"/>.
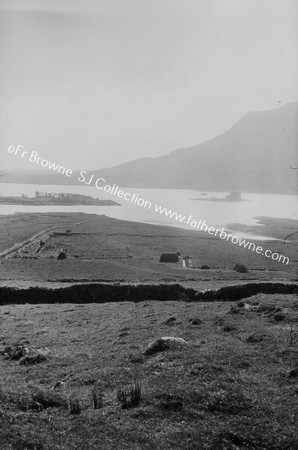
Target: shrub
<point x="240" y="268"/>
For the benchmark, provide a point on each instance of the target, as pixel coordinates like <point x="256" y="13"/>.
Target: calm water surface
<point x="215" y="214"/>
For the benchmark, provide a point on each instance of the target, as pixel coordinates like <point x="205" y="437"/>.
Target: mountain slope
<point x="253" y="156"/>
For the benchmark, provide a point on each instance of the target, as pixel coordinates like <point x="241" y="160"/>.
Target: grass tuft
<point x="97" y="397"/>
<point x="75" y="406"/>
<point x="130" y="397"/>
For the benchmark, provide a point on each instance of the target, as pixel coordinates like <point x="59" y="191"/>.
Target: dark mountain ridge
<point x="254" y="155"/>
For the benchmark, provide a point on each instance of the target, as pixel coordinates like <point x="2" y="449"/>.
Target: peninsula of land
<point x="59" y="199"/>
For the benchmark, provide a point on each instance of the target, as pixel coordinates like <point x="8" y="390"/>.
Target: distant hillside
<point x="253" y="156"/>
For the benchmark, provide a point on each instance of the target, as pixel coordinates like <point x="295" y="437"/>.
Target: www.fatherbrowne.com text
<point x="135" y="198"/>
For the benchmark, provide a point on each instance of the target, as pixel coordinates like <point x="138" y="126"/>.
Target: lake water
<point x="215" y="214"/>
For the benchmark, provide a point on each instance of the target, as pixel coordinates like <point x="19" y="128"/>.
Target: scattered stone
<point x="170" y="321"/>
<point x="195" y="321"/>
<point x="15" y="352"/>
<point x="32" y="358"/>
<point x="240" y="268"/>
<point x="36" y="406"/>
<point x="227" y="328"/>
<point x="62" y="255"/>
<point x="235" y="310"/>
<point x="164" y="343"/>
<point x="293" y="373"/>
<point x="255" y="338"/>
<point x="59" y="385"/>
<point x="24" y="354"/>
<point x="279" y="316"/>
<point x="249" y="307"/>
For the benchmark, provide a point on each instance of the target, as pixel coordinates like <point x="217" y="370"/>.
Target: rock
<point x="240" y="268"/>
<point x="24" y="354"/>
<point x="279" y="316"/>
<point x="250" y="307"/>
<point x="227" y="328"/>
<point x="59" y="385"/>
<point x="16" y="352"/>
<point x="170" y="321"/>
<point x="195" y="321"/>
<point x="32" y="358"/>
<point x="255" y="338"/>
<point x="293" y="373"/>
<point x="164" y="343"/>
<point x="62" y="255"/>
<point x="235" y="310"/>
<point x="205" y="267"/>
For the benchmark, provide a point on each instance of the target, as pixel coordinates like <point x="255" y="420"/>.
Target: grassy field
<point x="102" y="249"/>
<point x="233" y="385"/>
<point x="75" y="376"/>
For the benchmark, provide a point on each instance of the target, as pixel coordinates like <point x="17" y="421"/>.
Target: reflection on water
<point x="215" y="214"/>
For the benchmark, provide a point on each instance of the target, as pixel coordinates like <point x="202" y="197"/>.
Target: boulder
<point x="61" y="255"/>
<point x="163" y="343"/>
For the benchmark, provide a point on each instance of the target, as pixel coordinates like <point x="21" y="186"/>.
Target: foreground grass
<point x="233" y="386"/>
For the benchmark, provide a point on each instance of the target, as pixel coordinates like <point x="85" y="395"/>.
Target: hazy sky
<point x="93" y="83"/>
